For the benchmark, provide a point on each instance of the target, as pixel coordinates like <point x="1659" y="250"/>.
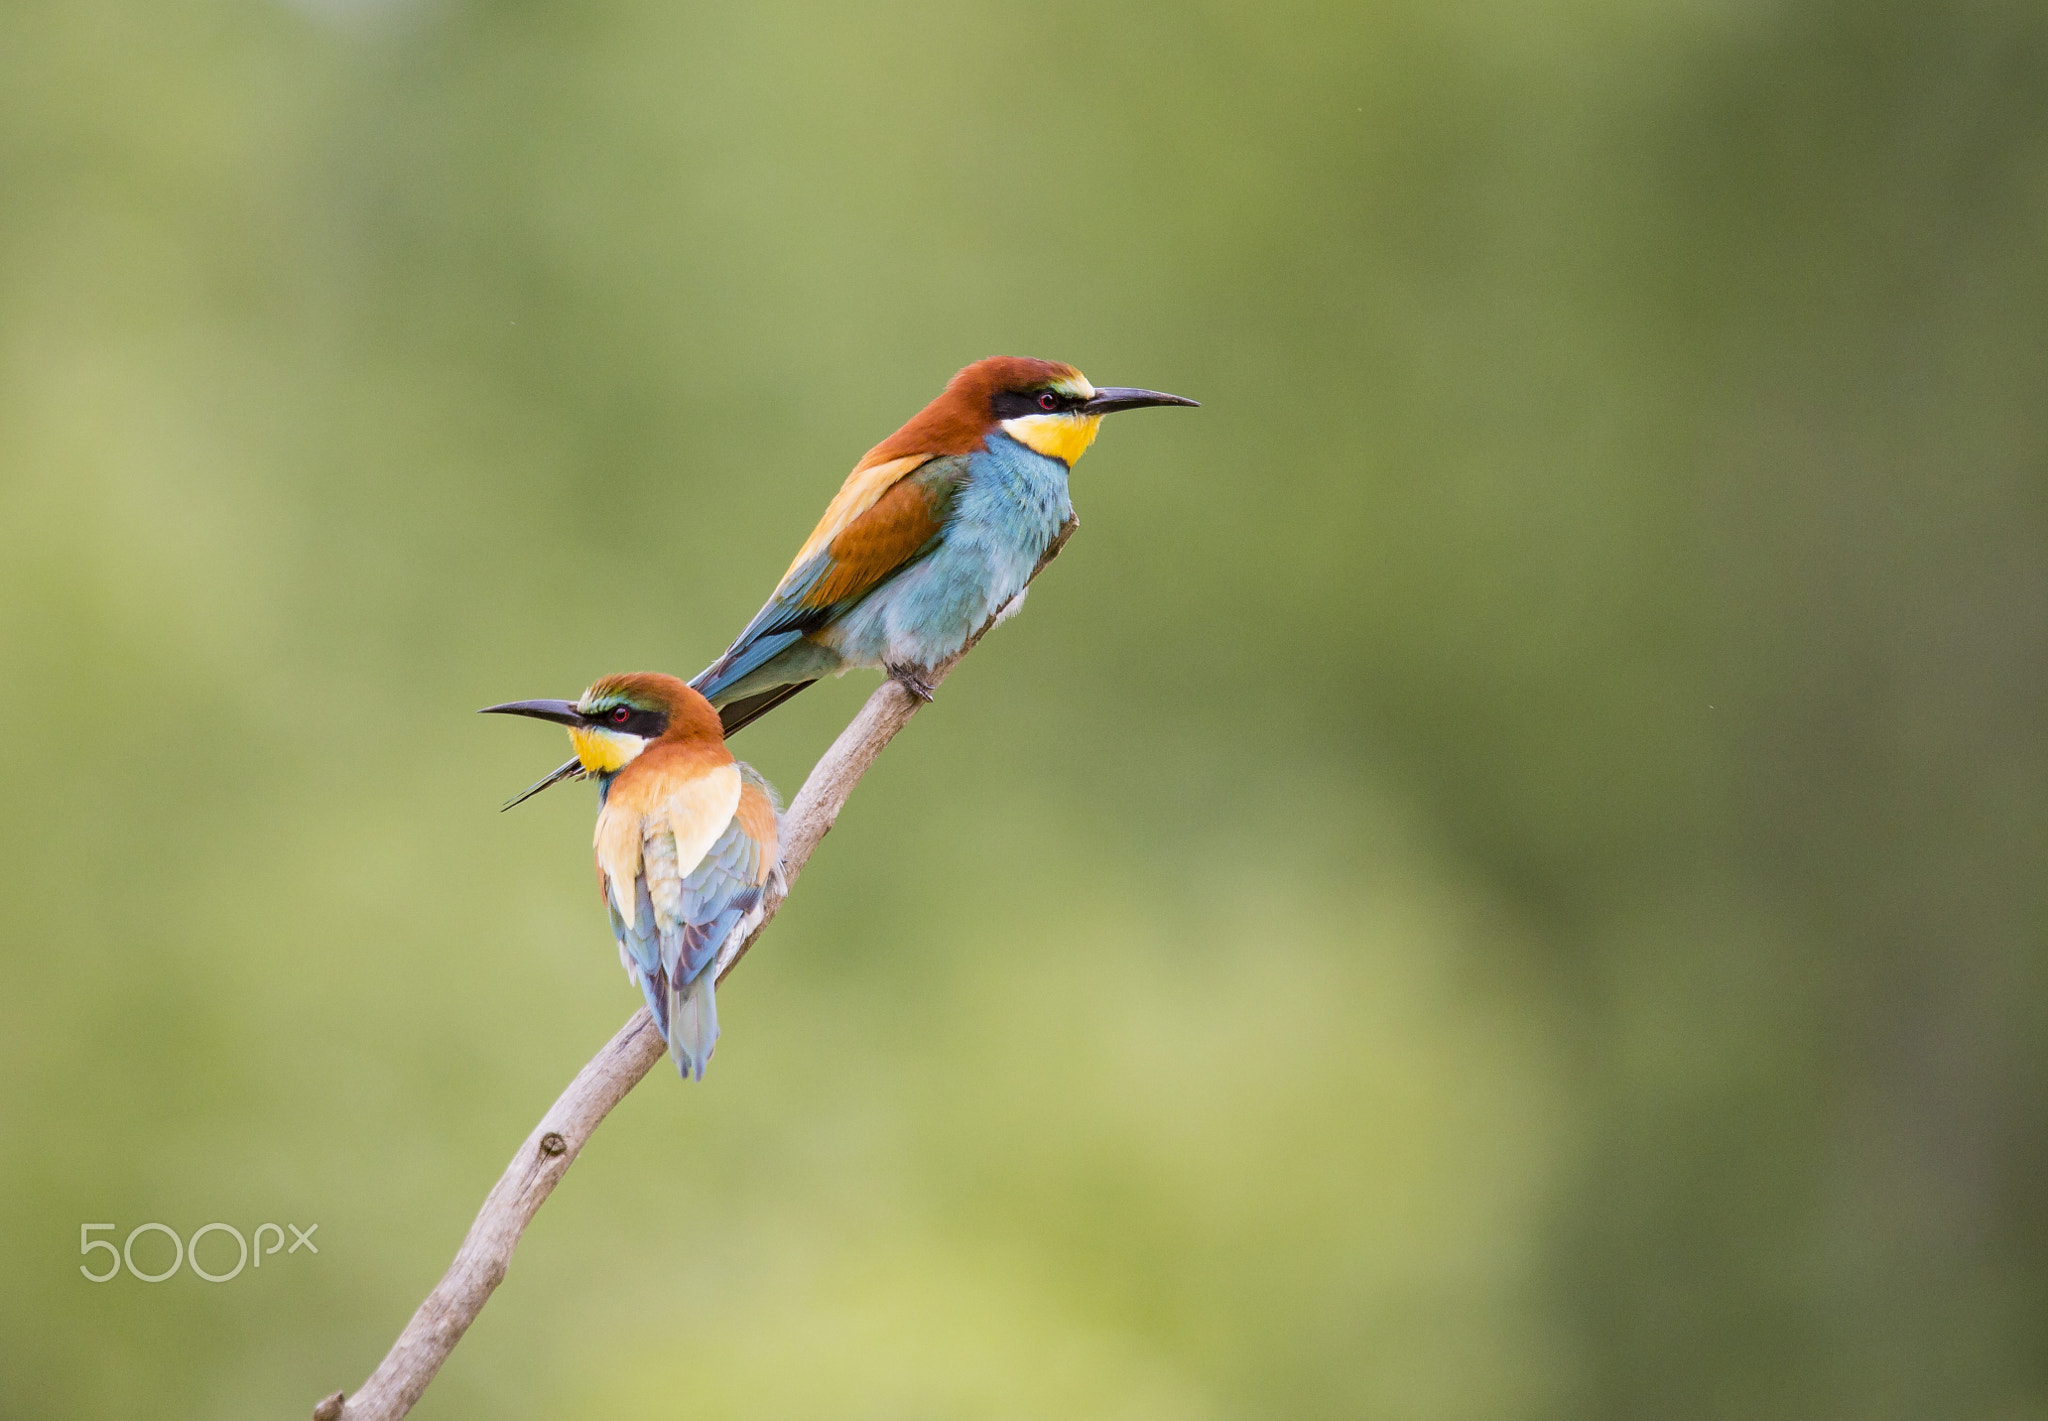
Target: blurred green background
<point x="1501" y="876"/>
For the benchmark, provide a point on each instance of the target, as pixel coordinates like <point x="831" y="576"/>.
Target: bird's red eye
<point x="620" y="715"/>
<point x="1048" y="401"/>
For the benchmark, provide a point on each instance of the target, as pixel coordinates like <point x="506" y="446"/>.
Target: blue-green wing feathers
<point x="905" y="524"/>
<point x="684" y="929"/>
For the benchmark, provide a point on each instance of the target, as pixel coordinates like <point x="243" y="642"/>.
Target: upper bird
<point x="937" y="529"/>
<point x="687" y="842"/>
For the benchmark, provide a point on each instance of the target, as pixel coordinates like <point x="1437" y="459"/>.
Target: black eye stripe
<point x="647" y="724"/>
<point x="1009" y="404"/>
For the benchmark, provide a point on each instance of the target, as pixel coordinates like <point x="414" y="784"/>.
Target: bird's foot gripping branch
<point x="547" y="1152"/>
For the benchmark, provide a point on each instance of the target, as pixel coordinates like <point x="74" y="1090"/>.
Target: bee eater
<point x="686" y="842"/>
<point x="937" y="529"/>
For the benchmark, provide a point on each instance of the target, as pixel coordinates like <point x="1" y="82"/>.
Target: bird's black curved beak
<point x="561" y="712"/>
<point x="1120" y="397"/>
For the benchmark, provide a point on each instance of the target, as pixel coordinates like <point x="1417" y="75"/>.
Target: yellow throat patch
<point x="602" y="752"/>
<point x="1065" y="437"/>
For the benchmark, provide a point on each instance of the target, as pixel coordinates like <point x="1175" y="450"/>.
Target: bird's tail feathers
<point x="735" y="716"/>
<point x="748" y="654"/>
<point x="693" y="1025"/>
<point x="654" y="989"/>
<point x="570" y="769"/>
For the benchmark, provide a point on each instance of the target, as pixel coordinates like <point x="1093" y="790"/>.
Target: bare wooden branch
<point x="547" y="1153"/>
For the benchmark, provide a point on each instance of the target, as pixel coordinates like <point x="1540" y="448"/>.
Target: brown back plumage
<point x="964" y="413"/>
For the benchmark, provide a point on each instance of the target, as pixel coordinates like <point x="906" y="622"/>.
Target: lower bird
<point x="937" y="529"/>
<point x="687" y="842"/>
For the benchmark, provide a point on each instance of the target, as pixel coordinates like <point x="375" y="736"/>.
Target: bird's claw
<point x="910" y="681"/>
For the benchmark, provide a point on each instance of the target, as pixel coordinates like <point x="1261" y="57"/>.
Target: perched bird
<point x="937" y="529"/>
<point x="687" y="843"/>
